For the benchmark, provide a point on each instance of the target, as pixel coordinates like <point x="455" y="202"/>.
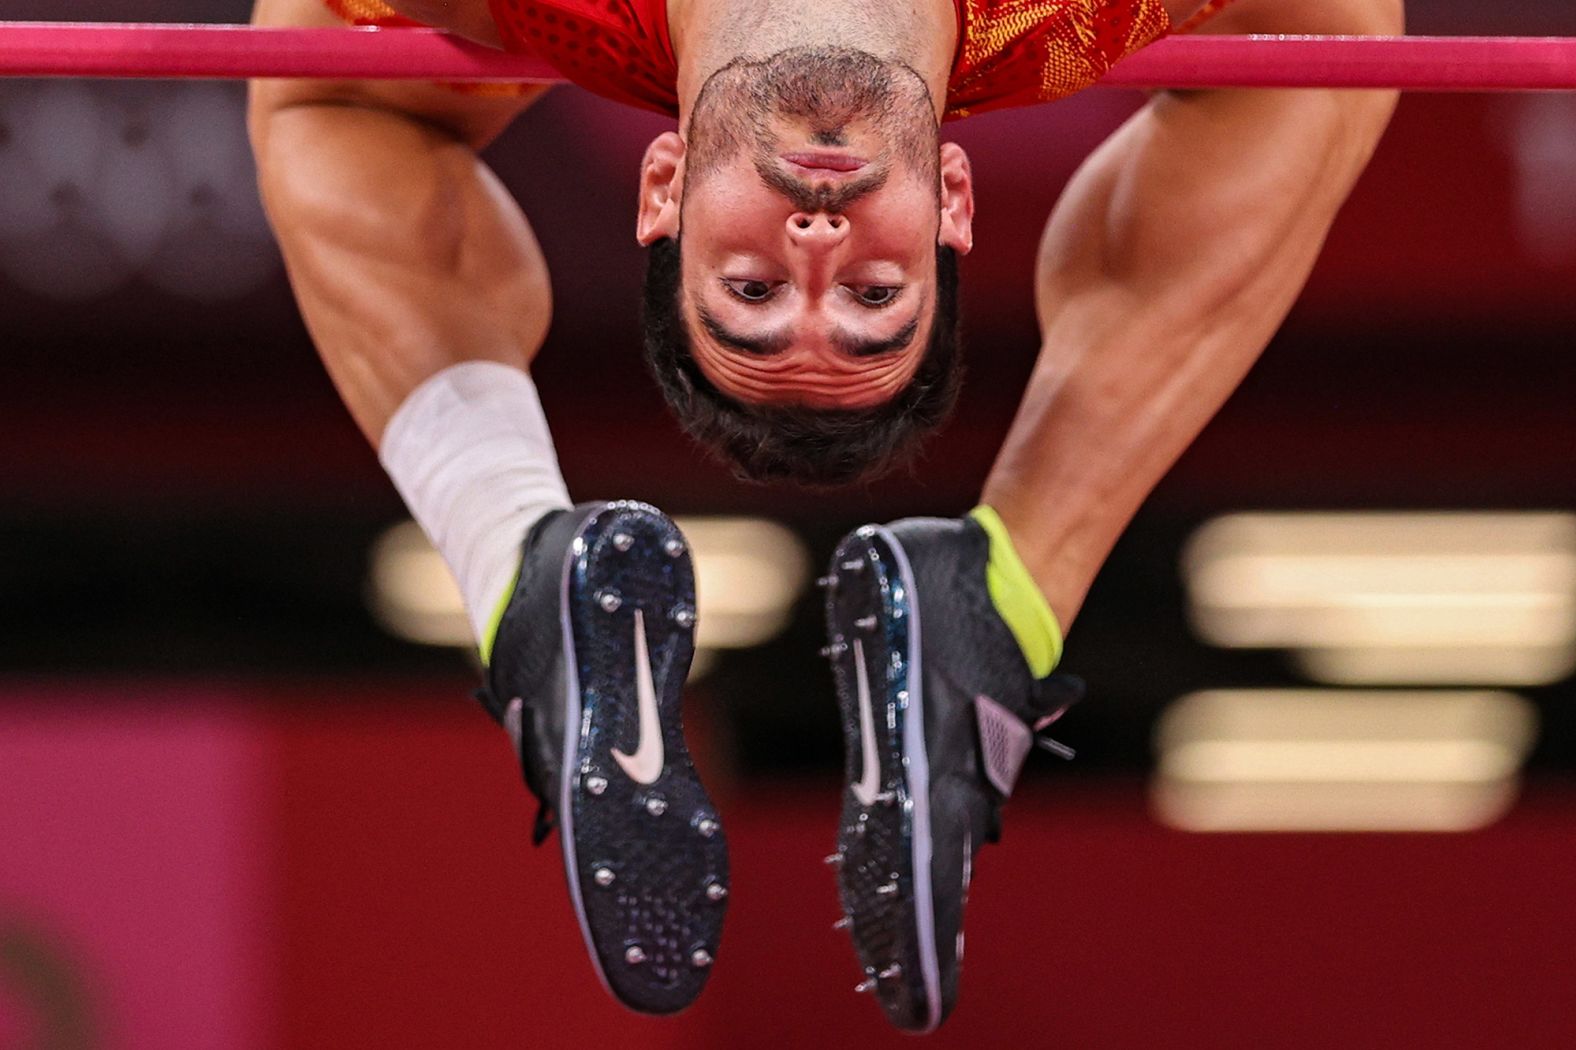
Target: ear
<point x="661" y="189"/>
<point x="957" y="199"/>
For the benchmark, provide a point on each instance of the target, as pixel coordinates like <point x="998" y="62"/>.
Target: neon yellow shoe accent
<point x="486" y="646"/>
<point x="1018" y="599"/>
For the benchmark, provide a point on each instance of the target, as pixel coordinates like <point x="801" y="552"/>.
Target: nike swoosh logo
<point x="870" y="779"/>
<point x="645" y="765"/>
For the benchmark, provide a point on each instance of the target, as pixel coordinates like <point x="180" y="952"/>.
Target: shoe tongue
<point x="1005" y="743"/>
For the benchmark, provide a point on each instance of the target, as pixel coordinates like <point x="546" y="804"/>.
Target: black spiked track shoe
<point x="587" y="673"/>
<point x="939" y="713"/>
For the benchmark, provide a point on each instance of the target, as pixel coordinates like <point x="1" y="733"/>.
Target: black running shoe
<point x="939" y="713"/>
<point x="586" y="675"/>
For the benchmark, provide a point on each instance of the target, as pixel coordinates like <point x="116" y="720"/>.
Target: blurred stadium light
<point x="748" y="574"/>
<point x="1318" y="760"/>
<point x="411" y="592"/>
<point x="1391" y="598"/>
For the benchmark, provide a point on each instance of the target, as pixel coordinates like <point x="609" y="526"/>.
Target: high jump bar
<point x="168" y="51"/>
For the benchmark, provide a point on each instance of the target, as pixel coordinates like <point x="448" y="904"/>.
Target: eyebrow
<point x="777" y="342"/>
<point x="856" y="347"/>
<point x="773" y="343"/>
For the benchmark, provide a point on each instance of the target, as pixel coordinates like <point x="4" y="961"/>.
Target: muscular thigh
<point x="475" y="118"/>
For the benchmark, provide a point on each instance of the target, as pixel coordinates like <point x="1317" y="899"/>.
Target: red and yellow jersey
<point x="1021" y="52"/>
<point x="1010" y="52"/>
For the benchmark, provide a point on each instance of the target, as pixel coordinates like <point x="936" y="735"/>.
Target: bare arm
<point x="1170" y="261"/>
<point x="404" y="251"/>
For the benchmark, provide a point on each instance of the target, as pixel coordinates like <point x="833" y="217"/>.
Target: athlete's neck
<point x="709" y="34"/>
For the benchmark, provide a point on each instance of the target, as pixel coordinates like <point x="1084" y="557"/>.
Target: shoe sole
<point x="887" y="843"/>
<point x="649" y="884"/>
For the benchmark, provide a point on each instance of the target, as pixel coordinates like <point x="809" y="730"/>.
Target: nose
<point x="819" y="230"/>
<point x="816" y="237"/>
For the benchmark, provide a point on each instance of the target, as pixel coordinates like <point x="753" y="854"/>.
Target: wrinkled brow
<point x="772" y="343"/>
<point x="854" y="346"/>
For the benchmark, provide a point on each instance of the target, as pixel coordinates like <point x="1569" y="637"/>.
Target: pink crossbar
<point x="227" y="52"/>
<point x="43" y="49"/>
<point x="1414" y="63"/>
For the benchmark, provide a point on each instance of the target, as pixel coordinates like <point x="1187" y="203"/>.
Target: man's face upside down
<point x="811" y="210"/>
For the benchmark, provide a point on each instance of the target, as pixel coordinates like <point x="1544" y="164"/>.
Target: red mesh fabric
<point x="1022" y="52"/>
<point x="367" y="13"/>
<point x="618" y="49"/>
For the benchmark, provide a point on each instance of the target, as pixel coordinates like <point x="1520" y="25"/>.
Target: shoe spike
<point x="857" y="565"/>
<point x="603" y="877"/>
<point x="707" y="826"/>
<point x="886" y="798"/>
<point x="833" y="860"/>
<point x="865" y="986"/>
<point x="623" y="541"/>
<point x="684" y="616"/>
<point x="890" y="972"/>
<point x="596" y="785"/>
<point x="656" y="805"/>
<point x="1057" y="748"/>
<point x="715" y="891"/>
<point x="609" y="601"/>
<point x="866" y="623"/>
<point x="673" y="546"/>
<point x="843" y="923"/>
<point x="887" y="890"/>
<point x="634" y="955"/>
<point x="700" y="958"/>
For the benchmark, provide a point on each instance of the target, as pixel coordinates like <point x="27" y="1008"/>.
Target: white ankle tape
<point x="470" y="452"/>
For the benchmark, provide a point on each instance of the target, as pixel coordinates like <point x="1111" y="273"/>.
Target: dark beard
<point x="828" y="88"/>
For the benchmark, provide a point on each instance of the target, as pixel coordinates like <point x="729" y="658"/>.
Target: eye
<point x="876" y="295"/>
<point x="750" y="291"/>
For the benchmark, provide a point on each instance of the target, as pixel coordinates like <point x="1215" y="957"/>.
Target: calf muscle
<point x="404" y="251"/>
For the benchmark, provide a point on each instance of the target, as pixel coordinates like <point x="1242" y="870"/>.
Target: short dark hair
<point x="813" y="446"/>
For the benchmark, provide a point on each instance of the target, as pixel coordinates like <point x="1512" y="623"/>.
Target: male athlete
<point x="803" y="226"/>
